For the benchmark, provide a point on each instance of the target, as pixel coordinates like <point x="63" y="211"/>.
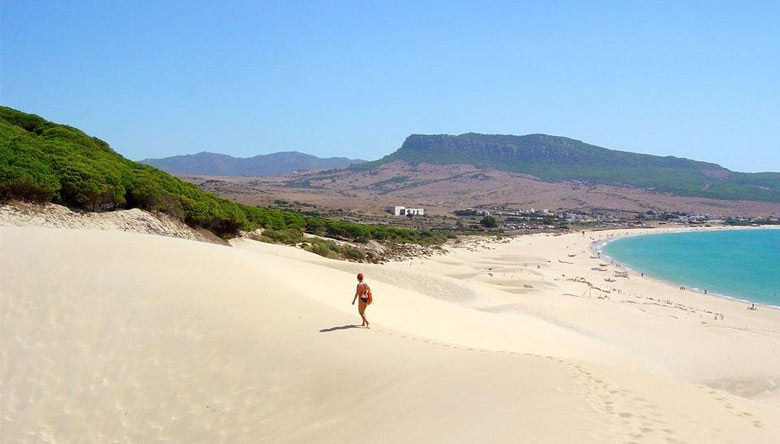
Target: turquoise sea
<point x="743" y="264"/>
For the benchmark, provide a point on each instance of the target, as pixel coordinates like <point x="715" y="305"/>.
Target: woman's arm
<point x="356" y="294"/>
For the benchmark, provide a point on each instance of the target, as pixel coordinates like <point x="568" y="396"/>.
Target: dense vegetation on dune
<point x="48" y="162"/>
<point x="555" y="159"/>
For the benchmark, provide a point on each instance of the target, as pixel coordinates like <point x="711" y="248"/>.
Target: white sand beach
<point x="111" y="336"/>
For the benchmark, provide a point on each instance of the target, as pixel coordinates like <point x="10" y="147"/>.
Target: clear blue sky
<point x="699" y="80"/>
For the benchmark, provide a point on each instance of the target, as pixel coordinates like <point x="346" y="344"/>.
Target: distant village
<point x="513" y="219"/>
<point x="531" y="218"/>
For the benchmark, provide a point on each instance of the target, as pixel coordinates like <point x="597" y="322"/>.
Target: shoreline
<point x="598" y="247"/>
<point x="560" y="279"/>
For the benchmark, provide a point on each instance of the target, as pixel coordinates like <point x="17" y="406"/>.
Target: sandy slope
<point x="123" y="337"/>
<point x="672" y="332"/>
<point x="23" y="214"/>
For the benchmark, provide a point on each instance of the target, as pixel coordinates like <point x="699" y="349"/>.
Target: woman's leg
<point x="362" y="311"/>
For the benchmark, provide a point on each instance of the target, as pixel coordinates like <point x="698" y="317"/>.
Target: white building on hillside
<point x="399" y="210"/>
<point x="396" y="210"/>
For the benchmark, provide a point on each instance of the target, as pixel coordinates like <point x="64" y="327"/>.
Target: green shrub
<point x="352" y="253"/>
<point x="25" y="173"/>
<point x="324" y="248"/>
<point x="489" y="222"/>
<point x="288" y="236"/>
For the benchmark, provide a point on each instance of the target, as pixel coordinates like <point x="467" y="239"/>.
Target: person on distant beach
<point x="362" y="292"/>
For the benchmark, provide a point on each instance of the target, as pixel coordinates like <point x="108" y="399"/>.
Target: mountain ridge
<point x="217" y="164"/>
<point x="557" y="158"/>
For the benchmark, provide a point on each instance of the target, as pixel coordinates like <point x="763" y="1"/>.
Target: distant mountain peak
<point x="214" y="164"/>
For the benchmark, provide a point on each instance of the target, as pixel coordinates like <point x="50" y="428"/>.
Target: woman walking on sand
<point x="363" y="291"/>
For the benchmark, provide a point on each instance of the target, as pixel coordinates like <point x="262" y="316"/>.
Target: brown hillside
<point x="442" y="189"/>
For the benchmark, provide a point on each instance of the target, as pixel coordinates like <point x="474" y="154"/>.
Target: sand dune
<point x="122" y="337"/>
